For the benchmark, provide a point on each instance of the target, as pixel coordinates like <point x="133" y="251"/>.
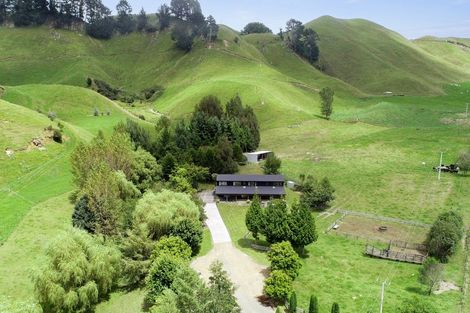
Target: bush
<point x="278" y="286"/>
<point x="335" y="308"/>
<point x="190" y="230"/>
<point x="464" y="161"/>
<point x="172" y="246"/>
<point x="316" y="195"/>
<point x="161" y="276"/>
<point x="272" y="164"/>
<point x="444" y="236"/>
<point x="293" y="303"/>
<point x="51" y="115"/>
<point x="416" y="305"/>
<point x="57" y="136"/>
<point x="78" y="273"/>
<point x="284" y="258"/>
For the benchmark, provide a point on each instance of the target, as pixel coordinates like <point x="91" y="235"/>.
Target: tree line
<point x="185" y="15"/>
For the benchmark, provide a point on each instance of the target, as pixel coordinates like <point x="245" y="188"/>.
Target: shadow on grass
<point x="417" y="290"/>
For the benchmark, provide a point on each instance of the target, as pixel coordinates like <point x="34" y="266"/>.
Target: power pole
<point x="440" y="164"/>
<point x="382" y="296"/>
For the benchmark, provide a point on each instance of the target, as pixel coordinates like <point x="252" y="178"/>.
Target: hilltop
<point x="375" y="59"/>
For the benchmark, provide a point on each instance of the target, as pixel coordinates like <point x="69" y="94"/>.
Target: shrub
<point x="278" y="285"/>
<point x="78" y="273"/>
<point x="335" y="308"/>
<point x="284" y="258"/>
<point x="416" y="305"/>
<point x="293" y="303"/>
<point x="161" y="275"/>
<point x="57" y="136"/>
<point x="190" y="230"/>
<point x="431" y="273"/>
<point x="142" y="117"/>
<point x="51" y="115"/>
<point x="96" y="112"/>
<point x="313" y="305"/>
<point x="316" y="195"/>
<point x="272" y="164"/>
<point x="173" y="246"/>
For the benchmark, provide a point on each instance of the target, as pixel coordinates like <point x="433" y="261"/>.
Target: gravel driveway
<point x="246" y="275"/>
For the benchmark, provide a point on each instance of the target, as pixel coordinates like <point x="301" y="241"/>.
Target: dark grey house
<point x="239" y="187"/>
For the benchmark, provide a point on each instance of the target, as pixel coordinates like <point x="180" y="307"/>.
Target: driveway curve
<point x="246" y="275"/>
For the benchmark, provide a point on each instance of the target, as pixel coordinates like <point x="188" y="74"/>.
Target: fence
<point x="394" y="255"/>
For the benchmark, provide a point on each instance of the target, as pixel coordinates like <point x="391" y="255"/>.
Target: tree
<point x="166" y="303"/>
<point x="278" y="285"/>
<point x="191" y="293"/>
<point x="168" y="165"/>
<point x="211" y="29"/>
<point x="183" y="9"/>
<point x="302" y="226"/>
<point x="210" y="106"/>
<point x="125" y="23"/>
<point x="464" y="161"/>
<point x="102" y="191"/>
<point x="145" y="170"/>
<point x="327" y="95"/>
<point x="79" y="271"/>
<point x="190" y="230"/>
<point x="254" y="219"/>
<point x="160" y="212"/>
<point x="101" y="28"/>
<point x="221" y="291"/>
<point x="183" y="36"/>
<point x="316" y="195"/>
<point x="416" y="305"/>
<point x="272" y="164"/>
<point x="293" y="303"/>
<point x="444" y="235"/>
<point x="161" y="276"/>
<point x="142" y="20"/>
<point x="255" y="28"/>
<point x="431" y="274"/>
<point x="313" y="305"/>
<point x="277" y="222"/>
<point x="335" y="308"/>
<point x="173" y="246"/>
<point x="164" y="16"/>
<point x="284" y="258"/>
<point x="82" y="216"/>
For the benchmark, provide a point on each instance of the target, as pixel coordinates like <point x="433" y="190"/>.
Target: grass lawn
<point x="24" y="251"/>
<point x="337" y="270"/>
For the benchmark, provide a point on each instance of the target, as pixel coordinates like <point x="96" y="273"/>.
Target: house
<point x="240" y="187"/>
<point x="257" y="156"/>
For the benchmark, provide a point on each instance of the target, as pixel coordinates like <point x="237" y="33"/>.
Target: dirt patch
<point x="383" y="231"/>
<point x="445" y="286"/>
<point x="456" y="121"/>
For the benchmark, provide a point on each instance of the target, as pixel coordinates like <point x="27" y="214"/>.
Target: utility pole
<point x="382" y="296"/>
<point x="440" y="164"/>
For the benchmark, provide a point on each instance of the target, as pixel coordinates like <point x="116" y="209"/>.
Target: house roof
<point x="244" y="190"/>
<point x="257" y="152"/>
<point x="251" y="178"/>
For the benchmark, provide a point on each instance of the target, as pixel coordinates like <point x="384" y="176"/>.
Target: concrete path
<point x="246" y="275"/>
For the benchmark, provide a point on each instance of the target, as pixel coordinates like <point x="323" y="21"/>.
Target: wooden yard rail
<point x="394" y="255"/>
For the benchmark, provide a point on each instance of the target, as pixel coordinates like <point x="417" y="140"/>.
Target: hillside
<point x="375" y="59"/>
<point x="448" y="49"/>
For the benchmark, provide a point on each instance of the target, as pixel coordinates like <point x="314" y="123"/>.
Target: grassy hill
<point x="375" y="59"/>
<point x="451" y="52"/>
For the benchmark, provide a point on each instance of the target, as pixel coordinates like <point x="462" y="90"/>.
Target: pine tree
<point x="293" y="303"/>
<point x="142" y="20"/>
<point x="302" y="226"/>
<point x="313" y="305"/>
<point x="254" y="218"/>
<point x="335" y="308"/>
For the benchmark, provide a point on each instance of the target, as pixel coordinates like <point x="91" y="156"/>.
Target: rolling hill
<point x="375" y="59"/>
